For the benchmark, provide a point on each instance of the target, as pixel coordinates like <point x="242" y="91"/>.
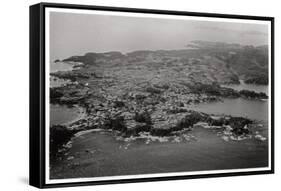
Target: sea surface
<point x="253" y="109"/>
<point x="62" y="115"/>
<point x="252" y="87"/>
<point x="99" y="154"/>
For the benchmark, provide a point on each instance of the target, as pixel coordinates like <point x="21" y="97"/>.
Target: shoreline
<point x="142" y="99"/>
<point x="82" y="115"/>
<point x="231" y="129"/>
<point x="115" y="115"/>
<point x="91" y="154"/>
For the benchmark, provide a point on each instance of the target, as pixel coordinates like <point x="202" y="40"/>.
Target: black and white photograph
<point x="140" y="95"/>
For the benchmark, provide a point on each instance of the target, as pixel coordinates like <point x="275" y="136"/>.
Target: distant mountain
<point x="250" y="62"/>
<point x="203" y="62"/>
<point x="90" y="58"/>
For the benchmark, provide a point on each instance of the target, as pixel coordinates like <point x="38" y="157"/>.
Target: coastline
<point x="82" y="115"/>
<point x="97" y="154"/>
<point x="156" y="111"/>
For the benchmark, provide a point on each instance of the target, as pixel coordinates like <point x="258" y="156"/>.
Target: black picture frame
<point x="37" y="93"/>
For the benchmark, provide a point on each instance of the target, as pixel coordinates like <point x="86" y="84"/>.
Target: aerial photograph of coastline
<point x="132" y="95"/>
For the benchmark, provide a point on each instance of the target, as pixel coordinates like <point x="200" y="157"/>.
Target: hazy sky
<point x="76" y="34"/>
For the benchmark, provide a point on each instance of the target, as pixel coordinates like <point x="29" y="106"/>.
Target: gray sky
<point x="76" y="34"/>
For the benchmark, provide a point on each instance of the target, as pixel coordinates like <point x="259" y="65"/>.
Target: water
<point x="60" y="114"/>
<point x="256" y="110"/>
<point x="252" y="87"/>
<point x="99" y="154"/>
<point x="253" y="109"/>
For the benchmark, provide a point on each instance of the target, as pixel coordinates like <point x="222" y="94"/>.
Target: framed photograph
<point x="123" y="95"/>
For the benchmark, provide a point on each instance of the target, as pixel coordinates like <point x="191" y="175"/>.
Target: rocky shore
<point x="158" y="111"/>
<point x="133" y="125"/>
